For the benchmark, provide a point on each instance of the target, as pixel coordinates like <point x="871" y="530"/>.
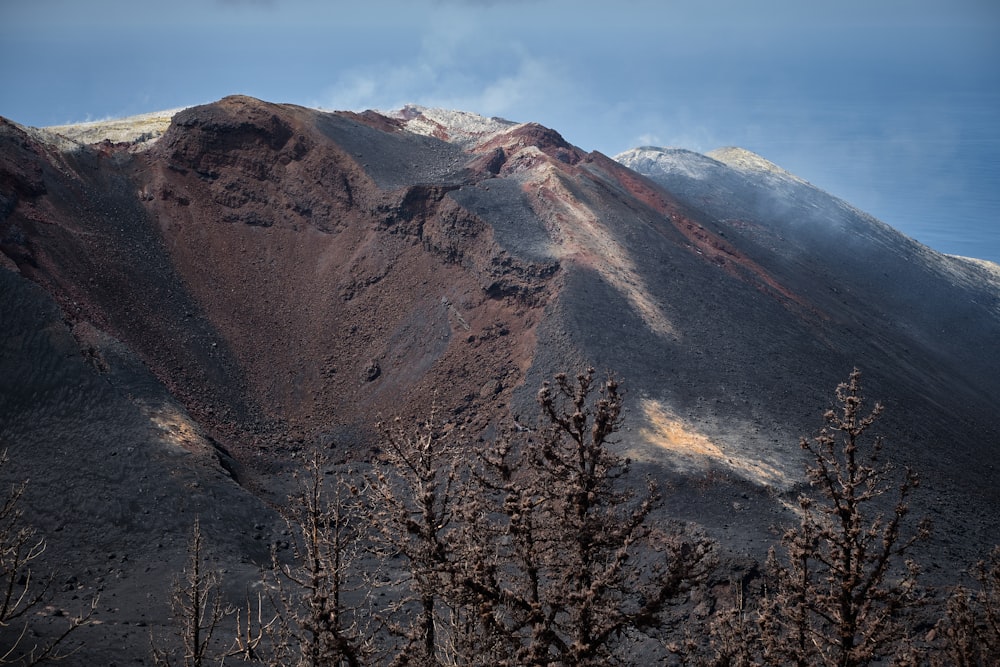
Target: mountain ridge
<point x="263" y="278"/>
<point x="145" y="128"/>
<point x="543" y="163"/>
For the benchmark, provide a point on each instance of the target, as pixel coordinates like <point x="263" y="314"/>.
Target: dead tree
<point x="841" y="578"/>
<point x="969" y="633"/>
<point x="561" y="560"/>
<point x="22" y="589"/>
<point x="197" y="609"/>
<point x="733" y="637"/>
<point x="413" y="494"/>
<point x="312" y="610"/>
<point x="258" y="637"/>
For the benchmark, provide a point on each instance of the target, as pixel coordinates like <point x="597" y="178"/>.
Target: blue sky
<point x="893" y="105"/>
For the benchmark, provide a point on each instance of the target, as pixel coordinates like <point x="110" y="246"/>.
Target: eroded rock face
<point x="264" y="277"/>
<point x="271" y="268"/>
<point x="260" y="257"/>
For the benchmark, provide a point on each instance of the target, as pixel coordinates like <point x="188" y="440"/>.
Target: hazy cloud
<point x="458" y="66"/>
<point x="890" y="105"/>
<point x="246" y="3"/>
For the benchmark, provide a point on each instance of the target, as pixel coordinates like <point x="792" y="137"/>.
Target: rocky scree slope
<point x="200" y="308"/>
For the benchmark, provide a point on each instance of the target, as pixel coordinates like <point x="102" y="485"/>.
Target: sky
<point x="892" y="105"/>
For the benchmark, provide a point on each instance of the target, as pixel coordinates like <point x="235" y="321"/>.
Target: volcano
<point x="191" y="301"/>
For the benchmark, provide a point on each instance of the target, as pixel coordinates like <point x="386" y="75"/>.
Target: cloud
<point x="535" y="84"/>
<point x="245" y="3"/>
<point x="457" y="69"/>
<point x="647" y="139"/>
<point x="354" y="92"/>
<point x="530" y="86"/>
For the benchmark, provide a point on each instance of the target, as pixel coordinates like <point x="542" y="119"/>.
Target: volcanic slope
<point x="261" y="277"/>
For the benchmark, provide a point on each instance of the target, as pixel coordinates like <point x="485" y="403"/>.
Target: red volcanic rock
<point x="181" y="318"/>
<point x="260" y="258"/>
<point x="280" y="270"/>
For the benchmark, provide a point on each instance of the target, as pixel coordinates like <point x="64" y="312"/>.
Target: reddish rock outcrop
<point x="265" y="277"/>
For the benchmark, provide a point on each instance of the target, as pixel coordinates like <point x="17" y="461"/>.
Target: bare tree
<point x="969" y="633"/>
<point x="567" y="563"/>
<point x="733" y="636"/>
<point x="22" y="590"/>
<point x="20" y="545"/>
<point x="197" y="609"/>
<point x="256" y="639"/>
<point x="313" y="612"/>
<point x="837" y="589"/>
<point x="413" y="496"/>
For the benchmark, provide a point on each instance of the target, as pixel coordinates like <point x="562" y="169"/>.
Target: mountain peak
<point x="741" y="158"/>
<point x="269" y="279"/>
<point x="700" y="166"/>
<point x="655" y="159"/>
<point x="460" y="127"/>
